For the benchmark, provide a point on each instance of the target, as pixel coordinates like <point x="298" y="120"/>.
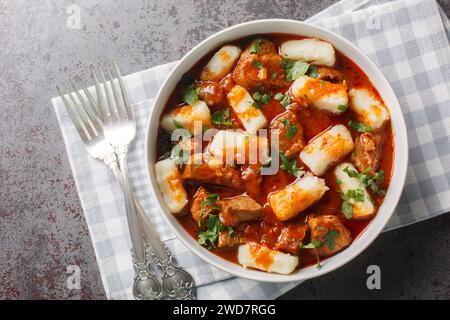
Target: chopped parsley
<point x="208" y="203"/>
<point x="211" y="199"/>
<point x="347" y="209"/>
<point x="314" y="244"/>
<point x="291" y="129"/>
<point x="375" y="181"/>
<point x="294" y="69"/>
<point x="258" y="64"/>
<point x="177" y="124"/>
<point x="223" y="119"/>
<point x="367" y="179"/>
<point x="313" y="72"/>
<point x="261" y="99"/>
<point x="279" y="96"/>
<point x="348" y="198"/>
<point x="255" y="47"/>
<point x="274" y="75"/>
<point x="291" y="166"/>
<point x="342" y="107"/>
<point x="358" y="126"/>
<point x="284" y="99"/>
<point x="329" y="241"/>
<point x="356" y="195"/>
<point x="208" y="237"/>
<point x="190" y="95"/>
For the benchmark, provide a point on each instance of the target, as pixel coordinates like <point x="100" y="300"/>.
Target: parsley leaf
<point x="358" y="126"/>
<point x="368" y="180"/>
<point x="294" y="69"/>
<point x="291" y="166"/>
<point x="351" y="195"/>
<point x="284" y="99"/>
<point x="258" y="64"/>
<point x="261" y="99"/>
<point x="351" y="173"/>
<point x="375" y="181"/>
<point x="330" y="239"/>
<point x="313" y="71"/>
<point x="222" y="118"/>
<point x="177" y="124"/>
<point x="211" y="199"/>
<point x="347" y="209"/>
<point x="274" y="75"/>
<point x="209" y="237"/>
<point x="190" y="95"/>
<point x="279" y="96"/>
<point x="291" y="129"/>
<point x="314" y="244"/>
<point x="342" y="107"/>
<point x="255" y="47"/>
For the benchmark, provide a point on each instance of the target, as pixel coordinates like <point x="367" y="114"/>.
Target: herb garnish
<point x="291" y="129"/>
<point x="314" y="244"/>
<point x="348" y="198"/>
<point x="329" y="241"/>
<point x="358" y="126"/>
<point x="209" y="237"/>
<point x="177" y="124"/>
<point x="190" y="95"/>
<point x="255" y="47"/>
<point x="294" y="69"/>
<point x="261" y="99"/>
<point x="342" y="107"/>
<point x="290" y="166"/>
<point x="284" y="99"/>
<point x="222" y="118"/>
<point x="258" y="64"/>
<point x="367" y="179"/>
<point x="313" y="71"/>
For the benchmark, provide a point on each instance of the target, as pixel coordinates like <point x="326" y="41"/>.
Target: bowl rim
<point x="399" y="170"/>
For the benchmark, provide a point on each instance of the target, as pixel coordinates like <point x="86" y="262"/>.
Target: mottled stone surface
<point x="42" y="229"/>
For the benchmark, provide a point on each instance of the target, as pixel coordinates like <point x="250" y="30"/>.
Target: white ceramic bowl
<point x="377" y="79"/>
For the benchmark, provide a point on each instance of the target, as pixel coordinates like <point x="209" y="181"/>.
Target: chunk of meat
<point x="290" y="133"/>
<point x="331" y="232"/>
<point x="239" y="209"/>
<point x="212" y="93"/>
<point x="329" y="74"/>
<point x="200" y="209"/>
<point x="260" y="69"/>
<point x="367" y="151"/>
<point x="212" y="172"/>
<point x="290" y="238"/>
<point x="251" y="174"/>
<point x="230" y="240"/>
<point x="227" y="82"/>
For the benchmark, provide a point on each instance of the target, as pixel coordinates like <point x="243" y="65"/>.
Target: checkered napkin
<point x="407" y="39"/>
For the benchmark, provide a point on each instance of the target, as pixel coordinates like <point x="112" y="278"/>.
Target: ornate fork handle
<point x="146" y="286"/>
<point x="177" y="283"/>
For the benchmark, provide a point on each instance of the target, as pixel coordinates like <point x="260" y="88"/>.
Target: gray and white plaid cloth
<point x="407" y="39"/>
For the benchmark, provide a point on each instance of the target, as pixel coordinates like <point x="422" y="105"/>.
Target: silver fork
<point x="89" y="126"/>
<point x="120" y="129"/>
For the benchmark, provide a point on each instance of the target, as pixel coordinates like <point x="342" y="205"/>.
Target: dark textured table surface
<point x="42" y="228"/>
